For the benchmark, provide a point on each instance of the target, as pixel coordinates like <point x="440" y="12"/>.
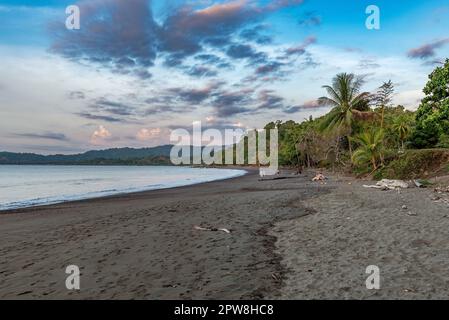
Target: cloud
<point x="301" y="49"/>
<point x="212" y="59"/>
<point x="76" y="95"/>
<point x="308" y="105"/>
<point x="278" y="68"/>
<point x="427" y="50"/>
<point x="46" y="135"/>
<point x="174" y="60"/>
<point x="310" y="19"/>
<point x="368" y="64"/>
<point x="143" y="74"/>
<point x="308" y="62"/>
<point x="182" y="99"/>
<point x="270" y="67"/>
<point x="434" y="62"/>
<point x="90" y="116"/>
<point x="100" y="134"/>
<point x="195" y="96"/>
<point x="201" y="71"/>
<point x="110" y="111"/>
<point x="230" y="103"/>
<point x="148" y="134"/>
<point x="187" y="29"/>
<point x="269" y="100"/>
<point x="159" y="109"/>
<point x="244" y="51"/>
<point x="112" y="107"/>
<point x="211" y="123"/>
<point x="209" y="58"/>
<point x="124" y="36"/>
<point x="255" y="34"/>
<point x="173" y="100"/>
<point x="119" y="35"/>
<point x="115" y="111"/>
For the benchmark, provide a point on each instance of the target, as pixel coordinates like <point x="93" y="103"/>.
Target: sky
<point x="137" y="69"/>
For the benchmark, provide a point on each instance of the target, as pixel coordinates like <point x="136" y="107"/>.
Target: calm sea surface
<point x="26" y="186"/>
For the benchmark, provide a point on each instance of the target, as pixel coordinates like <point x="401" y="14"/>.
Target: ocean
<point x="28" y="186"/>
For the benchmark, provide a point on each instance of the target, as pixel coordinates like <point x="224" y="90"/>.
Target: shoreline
<point x="246" y="170"/>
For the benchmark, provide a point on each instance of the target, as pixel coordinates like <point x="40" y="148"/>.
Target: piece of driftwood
<point x="442" y="189"/>
<point x="387" y="184"/>
<point x="319" y="177"/>
<point x="211" y="229"/>
<point x="279" y="178"/>
<point x="263" y="172"/>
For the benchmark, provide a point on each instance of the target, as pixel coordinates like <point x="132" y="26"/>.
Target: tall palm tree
<point x="371" y="147"/>
<point x="347" y="99"/>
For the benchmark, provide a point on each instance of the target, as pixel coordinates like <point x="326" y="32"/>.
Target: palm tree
<point x="371" y="147"/>
<point x="347" y="99"/>
<point x="403" y="129"/>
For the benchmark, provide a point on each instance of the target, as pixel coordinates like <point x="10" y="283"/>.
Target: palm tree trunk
<point x="298" y="161"/>
<point x="337" y="150"/>
<point x="373" y="160"/>
<point x="350" y="145"/>
<point x="349" y="139"/>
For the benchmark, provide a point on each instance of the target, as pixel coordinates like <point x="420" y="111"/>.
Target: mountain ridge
<point x="154" y="155"/>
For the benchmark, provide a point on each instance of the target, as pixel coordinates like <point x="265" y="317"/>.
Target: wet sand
<point x="290" y="239"/>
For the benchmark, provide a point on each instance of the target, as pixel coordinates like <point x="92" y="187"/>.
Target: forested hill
<point x="124" y="156"/>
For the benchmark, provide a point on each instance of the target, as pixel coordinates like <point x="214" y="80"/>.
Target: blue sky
<point x="138" y="69"/>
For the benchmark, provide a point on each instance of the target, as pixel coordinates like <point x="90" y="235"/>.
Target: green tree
<point x="347" y="99"/>
<point x="425" y="135"/>
<point x="432" y="117"/>
<point x="370" y="149"/>
<point x="402" y="127"/>
<point x="384" y="97"/>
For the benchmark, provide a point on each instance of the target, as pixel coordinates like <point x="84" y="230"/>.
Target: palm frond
<point x="333" y="94"/>
<point x="325" y="101"/>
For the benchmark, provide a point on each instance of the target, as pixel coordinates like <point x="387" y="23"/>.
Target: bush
<point x="443" y="141"/>
<point x="415" y="164"/>
<point x="425" y="136"/>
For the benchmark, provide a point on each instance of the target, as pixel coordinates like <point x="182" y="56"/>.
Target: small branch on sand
<point x="278" y="178"/>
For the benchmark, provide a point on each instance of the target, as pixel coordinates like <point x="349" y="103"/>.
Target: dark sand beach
<point x="290" y="239"/>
